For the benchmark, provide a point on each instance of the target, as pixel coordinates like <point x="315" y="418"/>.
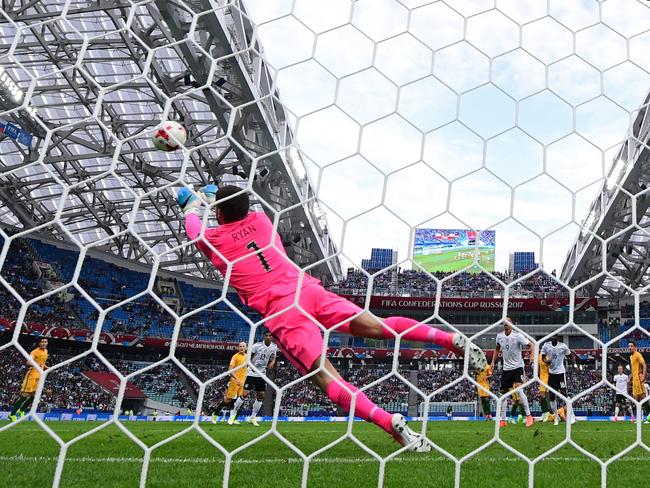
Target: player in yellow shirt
<point x="483" y="379"/>
<point x="543" y="390"/>
<point x="237" y="368"/>
<point x="238" y="371"/>
<point x="30" y="382"/>
<point x="638" y="372"/>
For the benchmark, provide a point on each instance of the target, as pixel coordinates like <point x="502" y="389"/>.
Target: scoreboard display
<point x="448" y="250"/>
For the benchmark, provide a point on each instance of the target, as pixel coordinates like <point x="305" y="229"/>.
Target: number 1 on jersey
<point x="253" y="246"/>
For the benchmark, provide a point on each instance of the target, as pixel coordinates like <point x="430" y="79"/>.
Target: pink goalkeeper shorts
<point x="297" y="335"/>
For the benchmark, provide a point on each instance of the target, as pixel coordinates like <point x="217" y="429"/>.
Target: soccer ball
<point x="170" y="136"/>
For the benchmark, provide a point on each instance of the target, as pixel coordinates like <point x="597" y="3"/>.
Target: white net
<point x="351" y="124"/>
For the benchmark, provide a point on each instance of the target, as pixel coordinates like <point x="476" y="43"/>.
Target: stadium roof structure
<point x="83" y="84"/>
<point x="612" y="250"/>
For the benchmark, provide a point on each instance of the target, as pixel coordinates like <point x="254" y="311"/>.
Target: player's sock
<point x="18" y="405"/>
<point x="616" y="412"/>
<point x="363" y="407"/>
<point x="554" y="407"/>
<point x="504" y="408"/>
<point x="513" y="409"/>
<point x="419" y="333"/>
<point x="486" y="406"/>
<point x="256" y="408"/>
<point x="235" y="409"/>
<point x="27" y="404"/>
<point x="220" y="407"/>
<point x="524" y="402"/>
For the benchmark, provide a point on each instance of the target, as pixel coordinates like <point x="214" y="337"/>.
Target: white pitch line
<point x="414" y="459"/>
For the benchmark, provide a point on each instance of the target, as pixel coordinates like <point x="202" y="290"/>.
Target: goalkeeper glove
<point x="188" y="201"/>
<point x="208" y="192"/>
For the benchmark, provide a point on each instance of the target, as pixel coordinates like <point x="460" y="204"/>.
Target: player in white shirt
<point x="511" y="344"/>
<point x="554" y="354"/>
<point x="263" y="356"/>
<point x="621" y="381"/>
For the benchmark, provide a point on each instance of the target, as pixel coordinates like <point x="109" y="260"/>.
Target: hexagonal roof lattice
<point x="91" y="81"/>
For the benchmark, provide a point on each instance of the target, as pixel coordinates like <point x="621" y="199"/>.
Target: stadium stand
<point x="163" y="383"/>
<point x="108" y="283"/>
<point x="463" y="284"/>
<point x="28" y="269"/>
<point x="68" y="388"/>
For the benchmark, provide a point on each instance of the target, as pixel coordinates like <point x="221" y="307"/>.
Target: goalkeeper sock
<point x="256" y="408"/>
<point x="340" y="392"/>
<point x="419" y="333"/>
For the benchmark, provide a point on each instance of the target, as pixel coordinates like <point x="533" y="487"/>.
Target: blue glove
<point x="188" y="200"/>
<point x="208" y="192"/>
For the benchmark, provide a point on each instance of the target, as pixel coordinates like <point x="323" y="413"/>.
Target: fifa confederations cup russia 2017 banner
<point x="474" y="304"/>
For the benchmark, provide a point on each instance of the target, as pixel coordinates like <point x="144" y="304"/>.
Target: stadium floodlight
<point x="615" y="173"/>
<point x="10" y="87"/>
<point x="297" y="165"/>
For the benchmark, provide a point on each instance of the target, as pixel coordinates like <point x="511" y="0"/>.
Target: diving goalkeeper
<point x="267" y="281"/>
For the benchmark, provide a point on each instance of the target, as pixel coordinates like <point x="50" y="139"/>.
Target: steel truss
<point x="619" y="217"/>
<point x="97" y="78"/>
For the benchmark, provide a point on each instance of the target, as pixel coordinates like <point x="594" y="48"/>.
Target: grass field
<point x="448" y="261"/>
<point x="109" y="458"/>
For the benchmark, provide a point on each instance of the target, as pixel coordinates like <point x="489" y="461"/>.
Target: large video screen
<point x="453" y="249"/>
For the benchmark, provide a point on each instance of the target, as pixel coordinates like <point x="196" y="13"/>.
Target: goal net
<point x="455" y="161"/>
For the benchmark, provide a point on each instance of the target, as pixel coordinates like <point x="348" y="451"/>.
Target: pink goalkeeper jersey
<point x="261" y="276"/>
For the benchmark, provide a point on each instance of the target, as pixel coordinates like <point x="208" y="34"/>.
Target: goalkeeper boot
<point x="403" y="434"/>
<point x="476" y="357"/>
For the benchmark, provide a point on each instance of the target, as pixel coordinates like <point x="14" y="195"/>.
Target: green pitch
<point x="449" y="260"/>
<point x="109" y="458"/>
